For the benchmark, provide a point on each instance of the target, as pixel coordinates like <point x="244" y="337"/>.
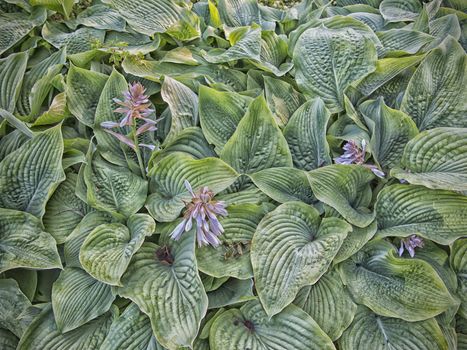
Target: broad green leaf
<point x="83" y="89"/>
<point x="458" y="262"/>
<point x="269" y="148"/>
<point x="327" y="61"/>
<point x="212" y="283"/>
<point x="219" y="113"/>
<point x="78" y="298"/>
<point x="436" y="95"/>
<point x="43" y="333"/>
<point x="8" y="341"/>
<point x="273" y="54"/>
<point x="355" y="240"/>
<point x="328" y="303"/>
<point x="436" y="158"/>
<point x="384" y="333"/>
<point x="41" y="90"/>
<point x="66" y="206"/>
<point x="443" y="27"/>
<point x="12" y="303"/>
<point x="237" y="13"/>
<point x="403" y="210"/>
<point x="12" y="71"/>
<point x="57" y="111"/>
<point x="112" y="188"/>
<point x="409" y="289"/>
<point x="250" y="327"/>
<point x="62" y="6"/>
<point x="390" y="130"/>
<point x="24" y="244"/>
<point x="284" y="184"/>
<point x="232" y="292"/>
<point x="27" y="280"/>
<point x="12" y="141"/>
<point x="107" y="250"/>
<point x="397" y="42"/>
<point x="306" y="135"/>
<point x="400" y="10"/>
<point x="101" y="17"/>
<point x="345" y="188"/>
<point x="292" y="248"/>
<point x="232" y="257"/>
<point x="29" y="176"/>
<point x="282" y="98"/>
<point x="164" y="282"/>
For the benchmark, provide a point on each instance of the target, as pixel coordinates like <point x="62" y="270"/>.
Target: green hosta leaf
<point x="41" y="89"/>
<point x="328" y="303"/>
<point x="397" y="42"/>
<point x="306" y="135"/>
<point x="403" y="210"/>
<point x="270" y="147"/>
<point x="62" y="6"/>
<point x="284" y="184"/>
<point x="400" y="10"/>
<point x="83" y="89"/>
<point x="211" y="283"/>
<point x="436" y="159"/>
<point x="384" y="333"/>
<point x="29" y="175"/>
<point x="112" y="188"/>
<point x="250" y="327"/>
<point x="354" y="241"/>
<point x="107" y="250"/>
<point x="167" y="182"/>
<point x="458" y="262"/>
<point x="78" y="298"/>
<point x="64" y="204"/>
<point x="343" y="187"/>
<point x="239" y="13"/>
<point x="183" y="104"/>
<point x="219" y="113"/>
<point x="101" y="17"/>
<point x="24" y="244"/>
<point x="282" y="98"/>
<point x="327" y="61"/>
<point x="292" y="248"/>
<point x="232" y="256"/>
<point x="57" y="112"/>
<point x="12" y="71"/>
<point x="273" y="54"/>
<point x="409" y="289"/>
<point x="27" y="280"/>
<point x="169" y="291"/>
<point x="443" y="27"/>
<point x="436" y="95"/>
<point x="232" y="292"/>
<point x="8" y="341"/>
<point x="44" y="334"/>
<point x="12" y="303"/>
<point x="131" y="331"/>
<point x="390" y="131"/>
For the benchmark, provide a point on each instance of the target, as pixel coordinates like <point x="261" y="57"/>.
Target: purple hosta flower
<point x="135" y="105"/>
<point x="204" y="210"/>
<point x="410" y="243"/>
<point x="353" y="154"/>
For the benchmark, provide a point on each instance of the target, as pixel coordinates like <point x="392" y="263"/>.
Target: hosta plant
<point x="225" y="175"/>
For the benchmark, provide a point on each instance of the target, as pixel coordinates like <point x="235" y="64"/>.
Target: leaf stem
<point x="138" y="151"/>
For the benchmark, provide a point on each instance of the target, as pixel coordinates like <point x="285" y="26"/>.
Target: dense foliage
<point x="225" y="175"/>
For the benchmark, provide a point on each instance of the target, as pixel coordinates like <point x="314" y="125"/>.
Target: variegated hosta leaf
<point x="284" y="184"/>
<point x="458" y="261"/>
<point x="232" y="292"/>
<point x="327" y="61"/>
<point x="306" y="135"/>
<point x="12" y="71"/>
<point x="107" y="250"/>
<point x="328" y="303"/>
<point x="292" y="248"/>
<point x="83" y="89"/>
<point x="269" y="148"/>
<point x="239" y="12"/>
<point x="24" y="244"/>
<point x="113" y="189"/>
<point x="12" y="303"/>
<point x="346" y="189"/>
<point x="183" y="104"/>
<point x="436" y="158"/>
<point x="439" y="215"/>
<point x="78" y="298"/>
<point x="250" y="327"/>
<point x="232" y="256"/>
<point x="131" y="331"/>
<point x="43" y="333"/>
<point x="29" y="175"/>
<point x="384" y="333"/>
<point x="409" y="289"/>
<point x="164" y="282"/>
<point x="219" y="113"/>
<point x="400" y="10"/>
<point x="167" y="188"/>
<point x="390" y="131"/>
<point x="64" y="204"/>
<point x="436" y="95"/>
